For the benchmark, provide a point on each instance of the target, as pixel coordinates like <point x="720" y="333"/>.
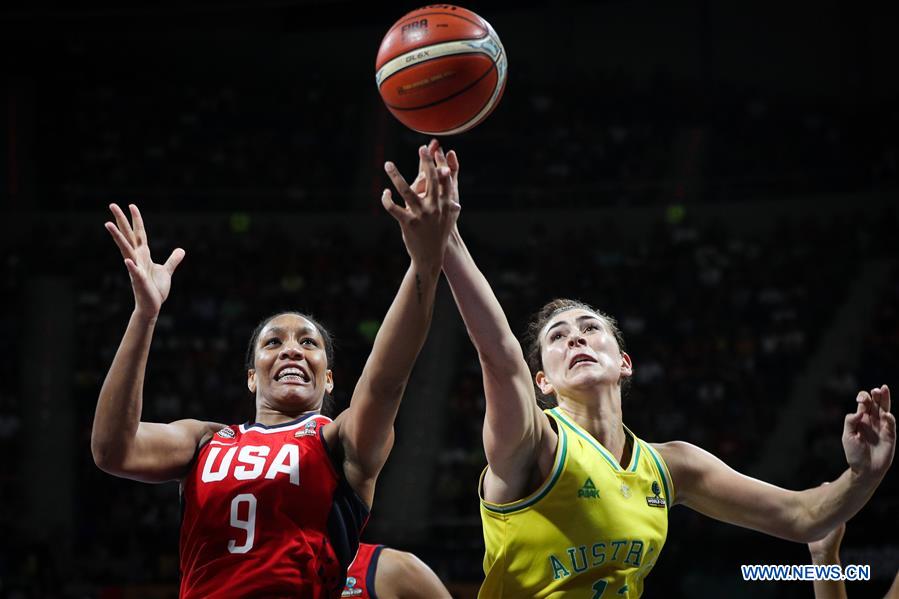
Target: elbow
<point x="101" y="454"/>
<point x="106" y="457"/>
<point x="805" y="527"/>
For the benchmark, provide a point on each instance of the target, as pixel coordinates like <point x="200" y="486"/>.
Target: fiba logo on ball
<point x="441" y="69"/>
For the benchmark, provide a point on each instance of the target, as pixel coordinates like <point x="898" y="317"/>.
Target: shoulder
<point x="331" y="431"/>
<point x="682" y="455"/>
<point x="674" y="451"/>
<point x="402" y="574"/>
<point x="390" y="559"/>
<point x="693" y="468"/>
<point x="200" y="430"/>
<point x="685" y="463"/>
<point x="394" y="564"/>
<point x="212" y="427"/>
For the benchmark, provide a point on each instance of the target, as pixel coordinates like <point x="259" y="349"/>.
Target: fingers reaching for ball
<point x="881" y="397"/>
<point x="429" y="210"/>
<point x="410" y="198"/>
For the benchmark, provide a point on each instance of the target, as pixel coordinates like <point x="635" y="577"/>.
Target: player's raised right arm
<point x="515" y="430"/>
<point x="121" y="444"/>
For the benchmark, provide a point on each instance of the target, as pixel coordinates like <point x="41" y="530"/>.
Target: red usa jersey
<point x="265" y="513"/>
<point x="360" y="579"/>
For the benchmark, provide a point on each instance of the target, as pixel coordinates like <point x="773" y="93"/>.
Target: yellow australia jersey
<point x="592" y="530"/>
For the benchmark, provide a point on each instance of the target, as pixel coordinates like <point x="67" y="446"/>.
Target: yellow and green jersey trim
<point x="602" y="450"/>
<point x="559" y="465"/>
<point x="540" y="493"/>
<point x="612" y="462"/>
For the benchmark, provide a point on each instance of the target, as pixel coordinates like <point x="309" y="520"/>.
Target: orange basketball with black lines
<point x="441" y="69"/>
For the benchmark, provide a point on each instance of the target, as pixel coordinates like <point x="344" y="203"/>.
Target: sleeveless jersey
<point x="592" y="529"/>
<point x="360" y="579"/>
<point x="266" y="513"/>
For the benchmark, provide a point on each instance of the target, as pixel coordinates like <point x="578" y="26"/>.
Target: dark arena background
<point x="723" y="179"/>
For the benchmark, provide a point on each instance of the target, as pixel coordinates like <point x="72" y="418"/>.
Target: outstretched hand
<point x="449" y="160"/>
<point x="869" y="435"/>
<point x="431" y="207"/>
<point x="151" y="282"/>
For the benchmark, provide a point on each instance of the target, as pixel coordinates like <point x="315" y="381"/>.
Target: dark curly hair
<point x="328" y="405"/>
<point x="532" y="342"/>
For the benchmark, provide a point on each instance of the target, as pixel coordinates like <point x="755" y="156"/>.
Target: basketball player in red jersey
<point x="379" y="572"/>
<point x="273" y="507"/>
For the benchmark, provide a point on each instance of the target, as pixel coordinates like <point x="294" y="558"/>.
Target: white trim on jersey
<point x="280" y="428"/>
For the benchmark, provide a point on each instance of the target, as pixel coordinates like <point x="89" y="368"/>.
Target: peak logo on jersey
<point x="625" y="490"/>
<point x="350" y="589"/>
<point x="226" y="433"/>
<point x="656" y="501"/>
<point x="588" y="491"/>
<point x="307" y="431"/>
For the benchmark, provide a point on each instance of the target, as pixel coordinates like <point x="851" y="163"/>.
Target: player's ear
<point x="329" y="381"/>
<point x="543" y="383"/>
<point x="627" y="366"/>
<point x="251" y="380"/>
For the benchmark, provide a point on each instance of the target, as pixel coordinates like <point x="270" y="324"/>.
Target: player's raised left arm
<point x="366" y="428"/>
<point x="709" y="486"/>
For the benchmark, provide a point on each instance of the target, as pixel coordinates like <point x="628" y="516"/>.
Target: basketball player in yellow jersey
<point x="573" y="504"/>
<point x="595" y="524"/>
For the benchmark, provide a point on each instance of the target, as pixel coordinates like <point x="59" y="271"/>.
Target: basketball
<point x="441" y="69"/>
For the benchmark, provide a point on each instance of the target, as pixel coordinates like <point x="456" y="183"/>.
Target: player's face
<point x="291" y="366"/>
<point x="579" y="351"/>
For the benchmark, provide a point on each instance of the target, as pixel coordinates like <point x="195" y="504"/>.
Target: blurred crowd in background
<point x="299" y="143"/>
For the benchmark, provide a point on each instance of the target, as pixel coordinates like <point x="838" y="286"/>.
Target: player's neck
<point x="270" y="416"/>
<point x="601" y="417"/>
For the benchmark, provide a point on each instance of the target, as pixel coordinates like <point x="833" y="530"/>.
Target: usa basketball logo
<point x="226" y="433"/>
